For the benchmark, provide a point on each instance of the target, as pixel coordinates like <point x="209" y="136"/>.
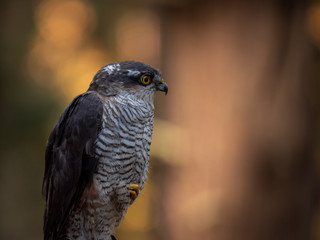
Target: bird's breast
<point x="123" y="145"/>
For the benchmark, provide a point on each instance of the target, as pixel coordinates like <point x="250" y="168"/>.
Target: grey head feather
<point x="117" y="77"/>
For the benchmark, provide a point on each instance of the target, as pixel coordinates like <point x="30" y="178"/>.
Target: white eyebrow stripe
<point x="133" y="73"/>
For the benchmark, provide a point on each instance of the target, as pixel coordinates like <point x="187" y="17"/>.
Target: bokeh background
<point x="235" y="147"/>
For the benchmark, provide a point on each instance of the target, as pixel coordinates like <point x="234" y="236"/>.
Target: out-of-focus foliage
<point x="27" y="110"/>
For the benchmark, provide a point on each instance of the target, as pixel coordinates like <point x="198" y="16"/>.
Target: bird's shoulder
<point x="69" y="159"/>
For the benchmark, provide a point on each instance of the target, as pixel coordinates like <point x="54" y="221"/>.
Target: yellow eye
<point x="145" y="79"/>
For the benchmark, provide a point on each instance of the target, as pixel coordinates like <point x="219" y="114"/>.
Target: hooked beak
<point x="162" y="86"/>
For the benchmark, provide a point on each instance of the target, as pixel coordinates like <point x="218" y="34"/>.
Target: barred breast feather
<point x="123" y="144"/>
<point x="122" y="147"/>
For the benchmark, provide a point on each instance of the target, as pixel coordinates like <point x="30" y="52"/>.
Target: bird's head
<point x="128" y="77"/>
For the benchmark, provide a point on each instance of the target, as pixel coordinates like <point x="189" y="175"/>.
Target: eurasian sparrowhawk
<point x="97" y="155"/>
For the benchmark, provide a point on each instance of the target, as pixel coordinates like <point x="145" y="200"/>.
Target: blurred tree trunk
<point x="239" y="73"/>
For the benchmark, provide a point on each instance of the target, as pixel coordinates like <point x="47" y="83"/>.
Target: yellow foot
<point x="134" y="190"/>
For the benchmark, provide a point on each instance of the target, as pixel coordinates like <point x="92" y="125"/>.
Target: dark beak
<point x="162" y="86"/>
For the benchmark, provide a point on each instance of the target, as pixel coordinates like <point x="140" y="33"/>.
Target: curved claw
<point x="134" y="190"/>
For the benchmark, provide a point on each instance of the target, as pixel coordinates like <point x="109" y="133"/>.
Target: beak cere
<point x="162" y="86"/>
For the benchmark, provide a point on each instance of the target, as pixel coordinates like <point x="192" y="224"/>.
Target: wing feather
<point x="70" y="160"/>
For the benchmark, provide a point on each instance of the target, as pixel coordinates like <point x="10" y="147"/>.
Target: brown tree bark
<point x="239" y="75"/>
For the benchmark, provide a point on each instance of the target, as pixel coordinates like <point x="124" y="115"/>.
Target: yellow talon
<point x="134" y="190"/>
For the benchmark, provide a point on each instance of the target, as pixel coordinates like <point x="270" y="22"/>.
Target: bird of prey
<point x="97" y="155"/>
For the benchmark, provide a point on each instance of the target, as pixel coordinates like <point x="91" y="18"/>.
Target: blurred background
<point x="235" y="150"/>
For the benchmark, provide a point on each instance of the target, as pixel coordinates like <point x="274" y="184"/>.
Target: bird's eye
<point x="145" y="79"/>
